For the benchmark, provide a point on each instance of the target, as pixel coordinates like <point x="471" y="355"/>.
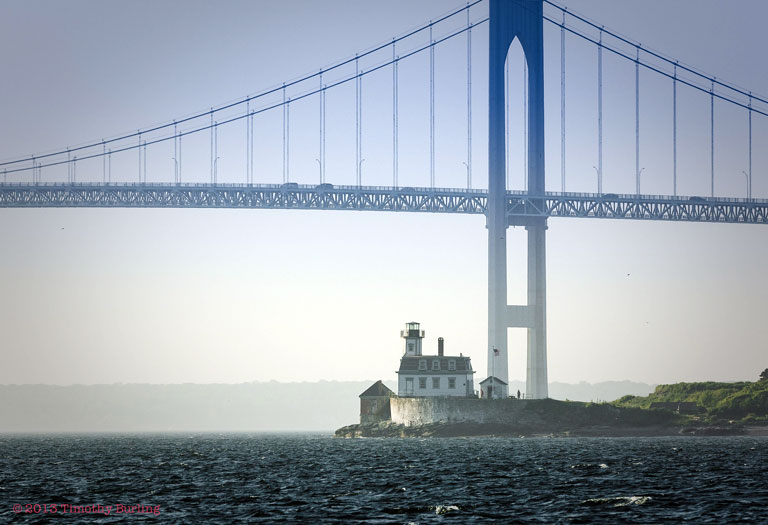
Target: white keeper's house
<point x="432" y="375"/>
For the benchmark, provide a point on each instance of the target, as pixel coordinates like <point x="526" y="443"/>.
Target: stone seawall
<point x="454" y="416"/>
<point x="412" y="411"/>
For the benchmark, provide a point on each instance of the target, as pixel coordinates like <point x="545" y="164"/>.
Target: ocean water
<point x="303" y="478"/>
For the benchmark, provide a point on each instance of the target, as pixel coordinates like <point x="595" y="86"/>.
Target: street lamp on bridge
<point x="749" y="184"/>
<point x="598" y="178"/>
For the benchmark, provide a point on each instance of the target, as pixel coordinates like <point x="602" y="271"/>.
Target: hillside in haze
<point x="271" y="406"/>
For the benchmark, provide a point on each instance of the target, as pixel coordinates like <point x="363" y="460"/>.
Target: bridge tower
<point x="521" y="19"/>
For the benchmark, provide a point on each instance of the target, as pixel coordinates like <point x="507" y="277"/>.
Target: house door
<point x="409" y="386"/>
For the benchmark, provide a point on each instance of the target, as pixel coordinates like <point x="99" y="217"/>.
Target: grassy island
<point x="743" y="402"/>
<point x="706" y="408"/>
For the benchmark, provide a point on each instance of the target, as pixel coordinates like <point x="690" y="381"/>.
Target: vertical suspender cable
<point x="284" y="149"/>
<point x="175" y="154"/>
<point x="212" y="161"/>
<point x="250" y="118"/>
<point x="139" y="148"/>
<point x="469" y="102"/>
<point x="637" y="121"/>
<point x="288" y="140"/>
<point x="431" y="108"/>
<point x="320" y="123"/>
<point x="69" y="167"/>
<point x="103" y="161"/>
<point x="600" y="115"/>
<point x="562" y="105"/>
<point x="674" y="132"/>
<point x="322" y="129"/>
<point x="394" y="115"/>
<point x="324" y="87"/>
<point x="712" y="136"/>
<point x="357" y="118"/>
<point x="180" y="157"/>
<point x="109" y="163"/>
<point x="215" y="152"/>
<point x="145" y="161"/>
<point x="247" y="141"/>
<point x="360" y="129"/>
<point x="749" y="184"/>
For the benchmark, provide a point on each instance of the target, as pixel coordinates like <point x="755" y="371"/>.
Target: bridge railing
<point x="236" y="185"/>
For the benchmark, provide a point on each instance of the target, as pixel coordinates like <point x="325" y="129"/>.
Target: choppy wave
<point x="258" y="478"/>
<point x="619" y="501"/>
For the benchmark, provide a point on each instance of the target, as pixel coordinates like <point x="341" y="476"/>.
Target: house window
<point x="410" y="348"/>
<point x="435" y="382"/>
<point x="422" y="382"/>
<point x="451" y="382"/>
<point x="422" y="364"/>
<point x="435" y="364"/>
<point x="451" y="364"/>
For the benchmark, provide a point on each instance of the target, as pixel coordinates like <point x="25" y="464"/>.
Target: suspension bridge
<point x="113" y="172"/>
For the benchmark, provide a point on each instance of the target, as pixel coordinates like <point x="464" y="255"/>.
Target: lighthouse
<point x="413" y="337"/>
<point x="432" y="375"/>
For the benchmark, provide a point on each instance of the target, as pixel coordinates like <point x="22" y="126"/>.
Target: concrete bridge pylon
<point x="521" y="19"/>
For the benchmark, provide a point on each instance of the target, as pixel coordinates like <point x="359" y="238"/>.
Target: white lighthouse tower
<point x="413" y="337"/>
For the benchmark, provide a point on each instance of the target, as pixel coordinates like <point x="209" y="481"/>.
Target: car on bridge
<point x="289" y="185"/>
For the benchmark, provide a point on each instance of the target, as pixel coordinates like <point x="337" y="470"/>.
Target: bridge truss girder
<point x="520" y="206"/>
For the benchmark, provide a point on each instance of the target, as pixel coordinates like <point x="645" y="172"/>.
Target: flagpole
<point x="493" y="372"/>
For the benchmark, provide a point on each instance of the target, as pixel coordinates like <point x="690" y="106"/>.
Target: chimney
<point x="440" y="346"/>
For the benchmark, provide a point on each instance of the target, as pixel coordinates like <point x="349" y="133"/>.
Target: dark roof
<point x="410" y="363"/>
<point x="495" y="380"/>
<point x="378" y="389"/>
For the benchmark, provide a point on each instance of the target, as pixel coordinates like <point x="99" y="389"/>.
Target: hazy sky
<point x="102" y="296"/>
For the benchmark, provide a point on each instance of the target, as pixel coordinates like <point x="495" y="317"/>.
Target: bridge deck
<point x="520" y="205"/>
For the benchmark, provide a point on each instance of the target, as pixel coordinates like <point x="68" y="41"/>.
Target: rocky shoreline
<point x="388" y="429"/>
